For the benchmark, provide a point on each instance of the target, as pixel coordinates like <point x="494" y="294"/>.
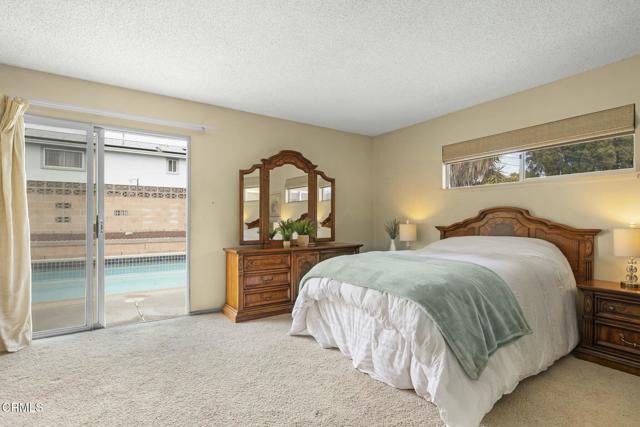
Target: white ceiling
<point x="361" y="66"/>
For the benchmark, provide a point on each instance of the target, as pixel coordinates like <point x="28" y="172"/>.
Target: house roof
<point x="114" y="141"/>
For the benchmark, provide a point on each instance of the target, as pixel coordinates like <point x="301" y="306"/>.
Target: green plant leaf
<point x="304" y="227"/>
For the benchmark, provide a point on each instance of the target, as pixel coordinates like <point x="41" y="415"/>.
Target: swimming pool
<point x="56" y="283"/>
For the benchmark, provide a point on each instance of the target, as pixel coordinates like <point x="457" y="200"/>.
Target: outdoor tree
<point x="606" y="154"/>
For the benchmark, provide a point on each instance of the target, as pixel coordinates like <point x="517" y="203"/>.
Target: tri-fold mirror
<point x="285" y="186"/>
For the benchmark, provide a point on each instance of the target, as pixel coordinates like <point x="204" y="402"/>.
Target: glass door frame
<point x="100" y="319"/>
<point x="95" y="316"/>
<point x="90" y="291"/>
<point x="100" y="316"/>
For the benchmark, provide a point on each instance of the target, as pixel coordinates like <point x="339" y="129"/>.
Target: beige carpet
<point x="207" y="371"/>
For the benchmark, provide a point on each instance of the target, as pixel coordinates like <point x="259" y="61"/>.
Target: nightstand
<point x="609" y="322"/>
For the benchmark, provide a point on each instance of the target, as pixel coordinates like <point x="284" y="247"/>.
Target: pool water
<point x="62" y="284"/>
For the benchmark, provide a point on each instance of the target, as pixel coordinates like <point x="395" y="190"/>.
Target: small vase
<point x="286" y="243"/>
<point x="392" y="246"/>
<point x="303" y="240"/>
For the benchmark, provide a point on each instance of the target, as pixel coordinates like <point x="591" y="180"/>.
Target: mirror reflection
<point x="325" y="216"/>
<point x="251" y="206"/>
<point x="288" y="198"/>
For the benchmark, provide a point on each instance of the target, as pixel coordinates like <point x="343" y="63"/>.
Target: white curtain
<point x="15" y="252"/>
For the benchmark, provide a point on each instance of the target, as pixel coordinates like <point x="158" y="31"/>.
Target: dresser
<point x="263" y="281"/>
<point x="609" y="325"/>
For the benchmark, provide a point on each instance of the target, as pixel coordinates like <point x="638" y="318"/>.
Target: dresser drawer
<point x="618" y="338"/>
<point x="618" y="309"/>
<point x="256" y="280"/>
<point x="266" y="262"/>
<point x="278" y="295"/>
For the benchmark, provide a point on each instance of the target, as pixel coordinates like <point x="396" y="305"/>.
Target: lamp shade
<point x="408" y="232"/>
<point x="626" y="242"/>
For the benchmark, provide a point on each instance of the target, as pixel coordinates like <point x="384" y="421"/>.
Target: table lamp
<point x="408" y="233"/>
<point x="626" y="242"/>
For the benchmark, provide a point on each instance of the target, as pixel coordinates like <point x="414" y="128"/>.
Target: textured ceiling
<point x="361" y="66"/>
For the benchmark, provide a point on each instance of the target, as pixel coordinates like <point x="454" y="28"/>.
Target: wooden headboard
<point x="576" y="244"/>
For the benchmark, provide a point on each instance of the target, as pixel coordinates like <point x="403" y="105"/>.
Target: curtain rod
<point x="125" y="116"/>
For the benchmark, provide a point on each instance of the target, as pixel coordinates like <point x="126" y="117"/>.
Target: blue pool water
<point x="62" y="284"/>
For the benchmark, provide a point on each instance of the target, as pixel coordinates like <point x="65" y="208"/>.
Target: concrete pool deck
<point x="119" y="308"/>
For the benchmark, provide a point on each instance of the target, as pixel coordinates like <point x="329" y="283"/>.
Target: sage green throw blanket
<point x="473" y="307"/>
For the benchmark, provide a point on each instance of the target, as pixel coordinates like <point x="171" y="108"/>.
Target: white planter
<point x="286" y="243"/>
<point x="392" y="246"/>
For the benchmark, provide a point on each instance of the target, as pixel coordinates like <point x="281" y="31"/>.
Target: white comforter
<point x="394" y="341"/>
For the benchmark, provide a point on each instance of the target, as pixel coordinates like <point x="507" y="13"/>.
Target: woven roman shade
<point x="251" y="182"/>
<point x="602" y="124"/>
<point x="296" y="182"/>
<point x="322" y="183"/>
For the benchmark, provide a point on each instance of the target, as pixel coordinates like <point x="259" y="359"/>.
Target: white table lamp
<point x="408" y="233"/>
<point x="626" y="242"/>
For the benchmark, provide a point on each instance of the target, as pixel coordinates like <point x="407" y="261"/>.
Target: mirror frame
<point x="331" y="181"/>
<point x="244" y="172"/>
<point x="285" y="157"/>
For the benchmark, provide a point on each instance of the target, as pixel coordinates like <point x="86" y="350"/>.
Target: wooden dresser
<point x="263" y="281"/>
<point x="609" y="325"/>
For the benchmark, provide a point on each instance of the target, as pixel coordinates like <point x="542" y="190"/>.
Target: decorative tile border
<point x="111" y="190"/>
<point x="133" y="260"/>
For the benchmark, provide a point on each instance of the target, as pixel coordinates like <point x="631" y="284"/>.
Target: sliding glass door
<point x="59" y="162"/>
<point x="144" y="206"/>
<point x="108" y="216"/>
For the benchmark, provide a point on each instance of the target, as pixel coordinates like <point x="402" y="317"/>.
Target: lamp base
<point x="630" y="285"/>
<point x="631" y="279"/>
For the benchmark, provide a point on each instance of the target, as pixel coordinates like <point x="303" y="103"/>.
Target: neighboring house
<point x="51" y="158"/>
<point x="145" y="195"/>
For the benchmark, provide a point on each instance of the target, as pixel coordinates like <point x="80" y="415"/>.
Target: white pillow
<point x="506" y="245"/>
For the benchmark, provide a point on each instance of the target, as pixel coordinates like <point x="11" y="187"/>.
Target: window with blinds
<point x="324" y="194"/>
<point x="297" y="194"/>
<point x="596" y="142"/>
<point x="592" y="156"/>
<point x="296" y="189"/>
<point x="56" y="158"/>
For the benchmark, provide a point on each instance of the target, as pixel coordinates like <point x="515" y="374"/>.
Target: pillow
<point x="499" y="245"/>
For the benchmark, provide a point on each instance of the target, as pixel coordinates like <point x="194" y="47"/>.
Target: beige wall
<point x="407" y="163"/>
<point x="233" y="141"/>
<point x="408" y="170"/>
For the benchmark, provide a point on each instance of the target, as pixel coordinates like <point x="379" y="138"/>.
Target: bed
<point x="395" y="341"/>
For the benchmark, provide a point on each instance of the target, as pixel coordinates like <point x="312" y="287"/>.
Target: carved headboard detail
<point x="576" y="244"/>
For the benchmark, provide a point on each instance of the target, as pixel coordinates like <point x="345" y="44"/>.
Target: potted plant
<point x="272" y="233"/>
<point x="304" y="228"/>
<point x="286" y="228"/>
<point x="392" y="228"/>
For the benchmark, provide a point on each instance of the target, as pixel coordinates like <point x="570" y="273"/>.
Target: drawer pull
<point x="267" y="278"/>
<point x="616" y="308"/>
<point x="267" y="297"/>
<point x="628" y="343"/>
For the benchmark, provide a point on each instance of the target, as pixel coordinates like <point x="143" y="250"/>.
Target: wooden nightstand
<point x="609" y="321"/>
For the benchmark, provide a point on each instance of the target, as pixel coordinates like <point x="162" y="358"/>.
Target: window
<point x="172" y="165"/>
<point x="252" y="194"/>
<point x="55" y="158"/>
<point x="608" y="154"/>
<point x="298" y="194"/>
<point x="324" y="194"/>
